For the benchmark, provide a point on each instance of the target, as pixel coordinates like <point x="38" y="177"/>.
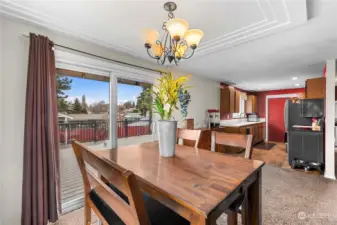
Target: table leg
<point x="232" y="217"/>
<point x="252" y="207"/>
<point x="200" y="220"/>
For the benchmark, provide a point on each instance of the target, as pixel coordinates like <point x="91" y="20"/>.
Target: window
<point x="242" y="105"/>
<point x="134" y="112"/>
<point x="241" y="112"/>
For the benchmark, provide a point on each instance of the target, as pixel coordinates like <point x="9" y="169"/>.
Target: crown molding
<point x="247" y="33"/>
<point x="245" y="28"/>
<point x="17" y="11"/>
<point x="270" y="22"/>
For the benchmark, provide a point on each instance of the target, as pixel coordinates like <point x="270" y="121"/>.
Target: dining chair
<point x="235" y="140"/>
<point x="190" y="135"/>
<point x="114" y="195"/>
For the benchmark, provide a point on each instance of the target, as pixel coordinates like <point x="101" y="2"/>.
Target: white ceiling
<point x="254" y="44"/>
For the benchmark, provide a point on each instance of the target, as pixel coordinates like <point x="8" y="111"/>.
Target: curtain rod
<point x="101" y="57"/>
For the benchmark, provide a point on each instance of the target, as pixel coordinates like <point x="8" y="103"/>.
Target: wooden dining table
<point x="198" y="184"/>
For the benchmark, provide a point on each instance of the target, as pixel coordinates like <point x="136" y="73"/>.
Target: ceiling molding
<point x="243" y="29"/>
<point x="245" y="34"/>
<point x="18" y="11"/>
<point x="269" y="23"/>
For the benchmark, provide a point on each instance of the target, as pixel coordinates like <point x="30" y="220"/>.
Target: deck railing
<point x="98" y="130"/>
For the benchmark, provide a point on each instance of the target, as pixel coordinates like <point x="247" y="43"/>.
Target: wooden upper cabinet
<point x="315" y="88"/>
<point x="251" y="104"/>
<point x="231" y="100"/>
<point x="227" y="100"/>
<point x="254" y="104"/>
<point x="237" y="102"/>
<point x="224" y="101"/>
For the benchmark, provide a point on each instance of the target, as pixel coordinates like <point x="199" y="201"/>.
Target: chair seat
<point x="157" y="212"/>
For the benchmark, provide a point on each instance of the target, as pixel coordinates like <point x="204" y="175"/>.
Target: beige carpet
<point x="288" y="198"/>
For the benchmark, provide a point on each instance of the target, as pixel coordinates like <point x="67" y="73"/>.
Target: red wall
<point x="261" y="98"/>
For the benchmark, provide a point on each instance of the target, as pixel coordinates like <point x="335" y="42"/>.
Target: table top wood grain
<point x="198" y="179"/>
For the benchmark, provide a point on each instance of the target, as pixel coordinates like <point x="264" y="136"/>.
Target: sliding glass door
<point x="134" y="112"/>
<point x="101" y="111"/>
<point x="84" y="115"/>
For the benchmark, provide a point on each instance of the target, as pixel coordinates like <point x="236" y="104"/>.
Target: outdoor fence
<point x="98" y="130"/>
<point x="133" y="128"/>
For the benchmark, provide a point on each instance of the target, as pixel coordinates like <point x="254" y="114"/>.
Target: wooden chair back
<point x="235" y="140"/>
<point x="124" y="180"/>
<point x="191" y="135"/>
<point x="189" y="123"/>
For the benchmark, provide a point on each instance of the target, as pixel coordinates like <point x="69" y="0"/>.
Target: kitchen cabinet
<point x="231" y="100"/>
<point x="264" y="132"/>
<point x="258" y="130"/>
<point x="237" y="102"/>
<point x="251" y="104"/>
<point x="315" y="88"/>
<point x="261" y="136"/>
<point x="224" y="101"/>
<point x="227" y="100"/>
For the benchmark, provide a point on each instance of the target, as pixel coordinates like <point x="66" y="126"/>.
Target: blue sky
<point x="95" y="91"/>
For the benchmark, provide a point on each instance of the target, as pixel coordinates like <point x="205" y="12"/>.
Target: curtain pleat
<point x="40" y="191"/>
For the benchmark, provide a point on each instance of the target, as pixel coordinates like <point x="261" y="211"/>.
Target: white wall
<point x="1" y="95"/>
<point x="331" y="69"/>
<point x="205" y="94"/>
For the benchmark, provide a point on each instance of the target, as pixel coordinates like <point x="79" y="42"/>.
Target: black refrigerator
<point x="293" y="115"/>
<point x="303" y="143"/>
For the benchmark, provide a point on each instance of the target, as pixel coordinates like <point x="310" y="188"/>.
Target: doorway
<point x="83" y="114"/>
<point x="88" y="113"/>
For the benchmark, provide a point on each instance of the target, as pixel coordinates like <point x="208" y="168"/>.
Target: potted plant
<point x="166" y="98"/>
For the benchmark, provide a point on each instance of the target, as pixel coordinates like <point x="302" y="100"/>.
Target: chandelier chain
<point x="171" y="15"/>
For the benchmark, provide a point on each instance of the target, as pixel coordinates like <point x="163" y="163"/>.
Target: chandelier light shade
<point x="180" y="51"/>
<point x="157" y="50"/>
<point x="150" y="36"/>
<point x="193" y="37"/>
<point x="177" y="28"/>
<point x="177" y="42"/>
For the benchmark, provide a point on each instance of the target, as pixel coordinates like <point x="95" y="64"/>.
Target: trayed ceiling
<point x="253" y="44"/>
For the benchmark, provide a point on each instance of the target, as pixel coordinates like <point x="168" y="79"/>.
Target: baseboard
<point x="332" y="177"/>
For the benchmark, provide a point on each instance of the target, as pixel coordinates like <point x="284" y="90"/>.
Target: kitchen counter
<point x="242" y="126"/>
<point x="238" y="126"/>
<point x="239" y="122"/>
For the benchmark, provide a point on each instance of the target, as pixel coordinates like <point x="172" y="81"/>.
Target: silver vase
<point x="167" y="137"/>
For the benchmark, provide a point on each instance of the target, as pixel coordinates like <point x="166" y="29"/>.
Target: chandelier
<point x="177" y="42"/>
